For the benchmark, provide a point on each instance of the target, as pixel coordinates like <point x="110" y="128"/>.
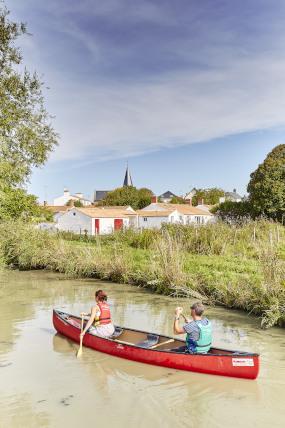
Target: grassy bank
<point x="238" y="267"/>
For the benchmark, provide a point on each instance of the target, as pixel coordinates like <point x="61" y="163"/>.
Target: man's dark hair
<point x="198" y="307"/>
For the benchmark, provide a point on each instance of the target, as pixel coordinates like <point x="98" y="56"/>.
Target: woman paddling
<point x="100" y="323"/>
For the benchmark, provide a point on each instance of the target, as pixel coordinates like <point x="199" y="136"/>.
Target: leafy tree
<point x="74" y="203"/>
<point x="234" y="212"/>
<point x="210" y="196"/>
<point x="17" y="204"/>
<point x="78" y="204"/>
<point x="26" y="135"/>
<point x="144" y="196"/>
<point x="129" y="195"/>
<point x="267" y="185"/>
<point x="177" y="200"/>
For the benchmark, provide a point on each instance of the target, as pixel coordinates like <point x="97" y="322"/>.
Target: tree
<point x="78" y="203"/>
<point x="16" y="203"/>
<point x="234" y="212"/>
<point x="26" y="135"/>
<point x="177" y="200"/>
<point x="267" y="185"/>
<point x="144" y="196"/>
<point x="210" y="196"/>
<point x="129" y="195"/>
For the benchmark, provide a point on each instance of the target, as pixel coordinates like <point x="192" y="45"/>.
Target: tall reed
<point x="240" y="267"/>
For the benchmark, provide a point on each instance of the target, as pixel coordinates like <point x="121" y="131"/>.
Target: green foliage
<point x="177" y="200"/>
<point x="26" y="136"/>
<point x="267" y="185"/>
<point x="17" y="204"/>
<point x="235" y="266"/>
<point x="210" y="196"/>
<point x="144" y="197"/>
<point x="234" y="212"/>
<point x="129" y="195"/>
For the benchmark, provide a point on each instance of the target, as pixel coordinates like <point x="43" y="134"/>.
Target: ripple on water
<point x="51" y="387"/>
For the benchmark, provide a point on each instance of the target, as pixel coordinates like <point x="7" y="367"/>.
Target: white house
<point x="66" y="197"/>
<point x="174" y="213"/>
<point x="153" y="219"/>
<point x="231" y="196"/>
<point x="167" y="196"/>
<point x="57" y="210"/>
<point x="99" y="220"/>
<point x="190" y="194"/>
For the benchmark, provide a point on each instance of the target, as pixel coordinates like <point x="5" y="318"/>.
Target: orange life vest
<point x="105" y="314"/>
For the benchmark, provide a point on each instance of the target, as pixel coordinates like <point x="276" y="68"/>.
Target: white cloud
<point x="230" y="83"/>
<point x="130" y="118"/>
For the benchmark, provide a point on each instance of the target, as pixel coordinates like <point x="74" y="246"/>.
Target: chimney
<point x="45" y="203"/>
<point x="79" y="195"/>
<point x="188" y="201"/>
<point x="154" y="199"/>
<point x="66" y="192"/>
<point x="201" y="201"/>
<point x="235" y="190"/>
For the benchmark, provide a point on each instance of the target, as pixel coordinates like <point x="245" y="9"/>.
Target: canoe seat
<point x="118" y="331"/>
<point x="151" y="340"/>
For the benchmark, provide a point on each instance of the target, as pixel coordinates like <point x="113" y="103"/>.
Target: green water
<point x="42" y="384"/>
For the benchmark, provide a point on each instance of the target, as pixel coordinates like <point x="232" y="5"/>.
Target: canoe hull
<point x="233" y="365"/>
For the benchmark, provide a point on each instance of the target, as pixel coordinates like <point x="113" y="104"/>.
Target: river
<point x="43" y="384"/>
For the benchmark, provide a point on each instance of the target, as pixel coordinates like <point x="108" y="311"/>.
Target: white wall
<point x="57" y="215"/>
<point x="152" y="222"/>
<point x="156" y="222"/>
<point x="62" y="200"/>
<point x="198" y="219"/>
<point x="75" y="221"/>
<point x="175" y="217"/>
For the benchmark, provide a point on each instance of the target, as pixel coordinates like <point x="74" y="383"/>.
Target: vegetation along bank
<point x="240" y="266"/>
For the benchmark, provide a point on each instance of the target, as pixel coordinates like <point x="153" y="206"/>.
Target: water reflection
<point x="42" y="380"/>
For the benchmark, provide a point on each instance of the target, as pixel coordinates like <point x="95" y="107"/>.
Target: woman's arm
<point x="91" y="319"/>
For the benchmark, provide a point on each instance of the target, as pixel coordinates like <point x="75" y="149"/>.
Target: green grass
<point x="238" y="267"/>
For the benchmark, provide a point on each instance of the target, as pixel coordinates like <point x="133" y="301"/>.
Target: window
<point x="74" y="213"/>
<point x="181" y="218"/>
<point x="145" y="219"/>
<point x="172" y="219"/>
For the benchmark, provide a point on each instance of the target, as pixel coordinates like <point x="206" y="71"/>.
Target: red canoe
<point x="161" y="350"/>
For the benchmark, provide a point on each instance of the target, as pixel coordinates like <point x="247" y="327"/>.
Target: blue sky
<point x="191" y="93"/>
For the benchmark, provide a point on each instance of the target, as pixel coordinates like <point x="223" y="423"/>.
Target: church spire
<point x="128" y="179"/>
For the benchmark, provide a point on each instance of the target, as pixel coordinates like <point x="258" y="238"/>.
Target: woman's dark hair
<point x="101" y="296"/>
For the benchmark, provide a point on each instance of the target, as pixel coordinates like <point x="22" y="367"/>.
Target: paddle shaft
<point x="79" y="352"/>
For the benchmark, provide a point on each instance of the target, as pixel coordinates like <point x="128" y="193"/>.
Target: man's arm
<point x="177" y="329"/>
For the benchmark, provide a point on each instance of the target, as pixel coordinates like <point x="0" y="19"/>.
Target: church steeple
<point x="128" y="179"/>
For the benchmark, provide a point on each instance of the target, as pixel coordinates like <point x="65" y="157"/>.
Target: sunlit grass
<point x="238" y="267"/>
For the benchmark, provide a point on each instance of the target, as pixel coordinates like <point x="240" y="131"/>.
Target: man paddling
<point x="198" y="330"/>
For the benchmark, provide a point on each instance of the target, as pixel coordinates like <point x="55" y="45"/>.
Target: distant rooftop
<point x="167" y="195"/>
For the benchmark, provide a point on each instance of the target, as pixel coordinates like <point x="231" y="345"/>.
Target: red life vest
<point x="105" y="313"/>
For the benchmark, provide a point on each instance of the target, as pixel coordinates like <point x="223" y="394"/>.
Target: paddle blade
<point x="79" y="352"/>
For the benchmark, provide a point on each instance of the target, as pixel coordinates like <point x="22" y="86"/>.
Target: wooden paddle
<point x="79" y="352"/>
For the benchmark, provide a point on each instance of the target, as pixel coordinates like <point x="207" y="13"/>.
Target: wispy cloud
<point x="129" y="77"/>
